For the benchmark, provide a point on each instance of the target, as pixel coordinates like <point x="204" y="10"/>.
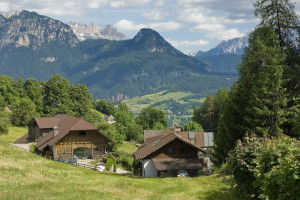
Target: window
<point x="170" y="151"/>
<point x="82" y="133"/>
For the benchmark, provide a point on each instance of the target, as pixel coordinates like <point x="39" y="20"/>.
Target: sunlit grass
<point x="28" y="176"/>
<point x="127" y="147"/>
<point x="13" y="134"/>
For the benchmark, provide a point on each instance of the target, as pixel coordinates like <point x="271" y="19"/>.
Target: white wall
<point x="149" y="169"/>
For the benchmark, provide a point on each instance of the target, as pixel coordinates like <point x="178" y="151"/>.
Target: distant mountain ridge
<point x="233" y="46"/>
<point x="225" y="57"/>
<point x="36" y="46"/>
<point x="84" y="31"/>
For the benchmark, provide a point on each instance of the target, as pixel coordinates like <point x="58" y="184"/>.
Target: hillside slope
<point x="29" y="176"/>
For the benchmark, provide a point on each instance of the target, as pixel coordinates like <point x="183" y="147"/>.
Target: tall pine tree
<point x="257" y="100"/>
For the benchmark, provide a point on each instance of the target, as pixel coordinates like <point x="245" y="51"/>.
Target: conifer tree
<point x="279" y="15"/>
<point x="257" y="100"/>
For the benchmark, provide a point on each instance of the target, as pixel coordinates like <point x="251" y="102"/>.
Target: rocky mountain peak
<point x="29" y="29"/>
<point x="84" y="31"/>
<point x="233" y="46"/>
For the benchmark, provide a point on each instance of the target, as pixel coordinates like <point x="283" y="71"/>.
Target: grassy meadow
<point x="28" y="176"/>
<point x="14" y="133"/>
<point x="185" y="102"/>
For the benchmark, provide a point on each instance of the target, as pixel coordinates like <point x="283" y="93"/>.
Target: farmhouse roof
<point x="153" y="144"/>
<point x="22" y="139"/>
<point x="65" y="124"/>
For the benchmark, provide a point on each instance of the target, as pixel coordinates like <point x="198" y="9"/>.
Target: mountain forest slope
<point x="115" y="70"/>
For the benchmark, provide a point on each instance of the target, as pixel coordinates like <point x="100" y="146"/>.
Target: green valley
<point x="177" y="105"/>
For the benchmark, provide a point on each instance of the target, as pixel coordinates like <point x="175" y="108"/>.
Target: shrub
<point x="114" y="163"/>
<point x="125" y="160"/>
<point x="277" y="169"/>
<point x="266" y="168"/>
<point x="109" y="164"/>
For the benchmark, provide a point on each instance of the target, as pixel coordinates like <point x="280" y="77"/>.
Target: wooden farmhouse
<point x="164" y="152"/>
<point x="66" y="136"/>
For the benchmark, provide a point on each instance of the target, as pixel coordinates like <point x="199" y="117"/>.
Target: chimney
<point x="55" y="130"/>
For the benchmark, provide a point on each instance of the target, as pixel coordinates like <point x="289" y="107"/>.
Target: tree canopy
<point x="152" y="118"/>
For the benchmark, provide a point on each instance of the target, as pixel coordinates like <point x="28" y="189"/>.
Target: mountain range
<point x="84" y="31"/>
<point x="36" y="46"/>
<point x="226" y="56"/>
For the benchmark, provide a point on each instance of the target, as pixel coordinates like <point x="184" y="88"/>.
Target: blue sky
<point x="189" y="25"/>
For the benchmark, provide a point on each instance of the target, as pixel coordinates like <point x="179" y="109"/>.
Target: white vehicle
<point x="182" y="173"/>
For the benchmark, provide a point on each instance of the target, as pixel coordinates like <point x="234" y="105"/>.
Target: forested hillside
<point x="114" y="70"/>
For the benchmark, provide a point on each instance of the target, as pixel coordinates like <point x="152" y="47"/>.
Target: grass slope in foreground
<point x="28" y="176"/>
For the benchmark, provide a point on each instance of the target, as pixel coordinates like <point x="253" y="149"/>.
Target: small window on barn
<point x="170" y="151"/>
<point x="82" y="133"/>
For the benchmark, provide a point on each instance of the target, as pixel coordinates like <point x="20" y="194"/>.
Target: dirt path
<point x="25" y="147"/>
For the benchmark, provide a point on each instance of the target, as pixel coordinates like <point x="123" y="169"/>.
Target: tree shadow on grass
<point x="224" y="193"/>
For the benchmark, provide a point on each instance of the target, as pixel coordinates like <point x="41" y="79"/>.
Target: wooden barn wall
<point x="176" y="145"/>
<point x="92" y="140"/>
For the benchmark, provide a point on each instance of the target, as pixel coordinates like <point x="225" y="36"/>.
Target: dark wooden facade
<point x="175" y="149"/>
<point x="35" y="133"/>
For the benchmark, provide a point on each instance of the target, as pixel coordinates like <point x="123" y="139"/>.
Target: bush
<point x="266" y="168"/>
<point x="109" y="164"/>
<point x="114" y="163"/>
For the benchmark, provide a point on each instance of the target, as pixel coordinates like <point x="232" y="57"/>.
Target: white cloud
<point x="126" y="25"/>
<point x="218" y="31"/>
<point x="126" y="3"/>
<point x="177" y="43"/>
<point x="94" y="4"/>
<point x="159" y="3"/>
<point x="4" y="6"/>
<point x="54" y="7"/>
<point x="207" y="28"/>
<point x="226" y="34"/>
<point x="155" y="15"/>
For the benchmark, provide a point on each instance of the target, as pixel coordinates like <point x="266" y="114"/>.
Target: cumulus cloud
<point x="126" y="3"/>
<point x="4" y="6"/>
<point x="155" y="15"/>
<point x="126" y="25"/>
<point x="225" y="34"/>
<point x="177" y="43"/>
<point x="217" y="31"/>
<point x="54" y="7"/>
<point x="159" y="3"/>
<point x="230" y="6"/>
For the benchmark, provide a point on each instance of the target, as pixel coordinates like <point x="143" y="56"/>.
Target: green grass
<point x="13" y="134"/>
<point x="174" y="115"/>
<point x="138" y="103"/>
<point x="127" y="147"/>
<point x="28" y="176"/>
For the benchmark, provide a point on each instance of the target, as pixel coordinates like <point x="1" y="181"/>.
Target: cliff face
<point x="29" y="29"/>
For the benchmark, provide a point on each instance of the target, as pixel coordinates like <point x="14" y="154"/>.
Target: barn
<point x="66" y="136"/>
